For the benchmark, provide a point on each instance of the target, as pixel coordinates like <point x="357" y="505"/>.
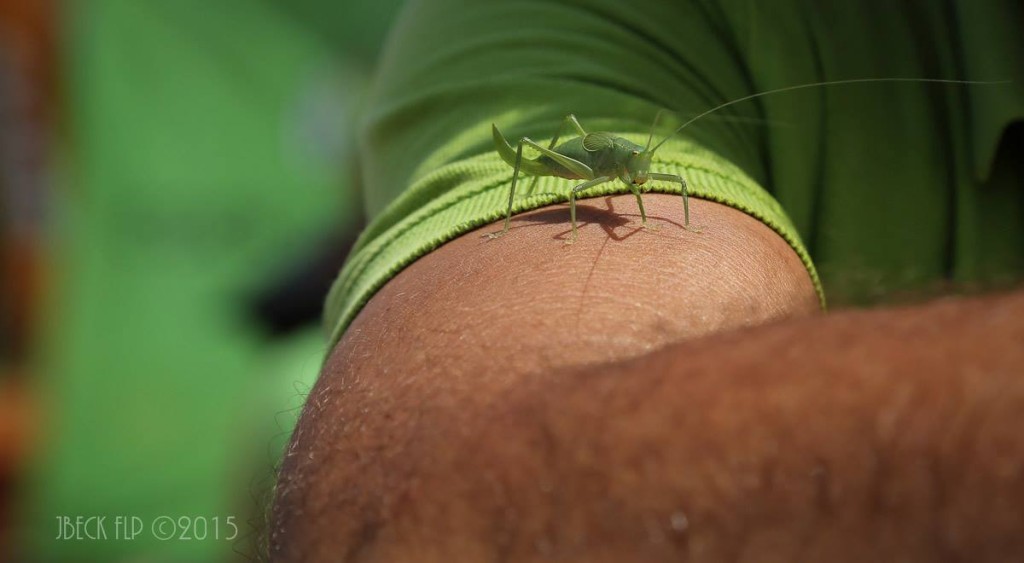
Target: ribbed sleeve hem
<point x="474" y="192"/>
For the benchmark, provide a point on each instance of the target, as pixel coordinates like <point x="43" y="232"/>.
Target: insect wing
<point x="594" y="142"/>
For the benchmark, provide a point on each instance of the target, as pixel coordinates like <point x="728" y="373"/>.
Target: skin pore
<point x="654" y="395"/>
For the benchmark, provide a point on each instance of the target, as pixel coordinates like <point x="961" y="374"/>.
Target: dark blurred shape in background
<point x="178" y="191"/>
<point x="27" y="88"/>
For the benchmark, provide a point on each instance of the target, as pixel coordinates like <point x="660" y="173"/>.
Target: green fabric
<point x="472" y="192"/>
<point x="886" y="183"/>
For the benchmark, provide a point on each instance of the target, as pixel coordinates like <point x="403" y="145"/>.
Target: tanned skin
<point x="647" y="396"/>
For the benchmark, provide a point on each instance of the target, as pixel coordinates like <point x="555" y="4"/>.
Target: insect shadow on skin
<point x="597" y="158"/>
<point x="600" y="156"/>
<point x="609" y="219"/>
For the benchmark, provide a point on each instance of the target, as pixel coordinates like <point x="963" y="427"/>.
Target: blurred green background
<point x="197" y="159"/>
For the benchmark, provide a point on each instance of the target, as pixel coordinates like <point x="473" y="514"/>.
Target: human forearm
<point x="882" y="435"/>
<point x="476" y="320"/>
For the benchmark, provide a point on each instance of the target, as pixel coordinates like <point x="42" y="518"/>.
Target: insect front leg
<point x="686" y="200"/>
<point x="640" y="203"/>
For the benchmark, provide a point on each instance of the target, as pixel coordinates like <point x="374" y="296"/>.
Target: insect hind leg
<point x="511" y="191"/>
<point x="570" y="121"/>
<point x="578" y="168"/>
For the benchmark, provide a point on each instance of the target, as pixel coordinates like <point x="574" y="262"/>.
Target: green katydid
<point x="601" y="157"/>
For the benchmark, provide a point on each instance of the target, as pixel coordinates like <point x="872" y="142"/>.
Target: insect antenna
<point x="653" y="126"/>
<point x="814" y="85"/>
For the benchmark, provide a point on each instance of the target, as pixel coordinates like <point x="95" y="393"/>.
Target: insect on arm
<point x="600" y="157"/>
<point x="596" y="157"/>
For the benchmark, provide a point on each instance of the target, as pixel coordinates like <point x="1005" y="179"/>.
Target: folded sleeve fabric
<point x="836" y="167"/>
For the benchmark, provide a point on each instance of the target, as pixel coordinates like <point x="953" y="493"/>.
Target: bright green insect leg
<point x="575" y="166"/>
<point x="686" y="200"/>
<point x="572" y="201"/>
<point x="569" y="120"/>
<point x="511" y="193"/>
<point x="640" y="203"/>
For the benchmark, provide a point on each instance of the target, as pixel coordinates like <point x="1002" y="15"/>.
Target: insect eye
<point x="636" y="153"/>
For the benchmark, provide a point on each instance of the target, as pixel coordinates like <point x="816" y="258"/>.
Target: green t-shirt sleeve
<point x="454" y="67"/>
